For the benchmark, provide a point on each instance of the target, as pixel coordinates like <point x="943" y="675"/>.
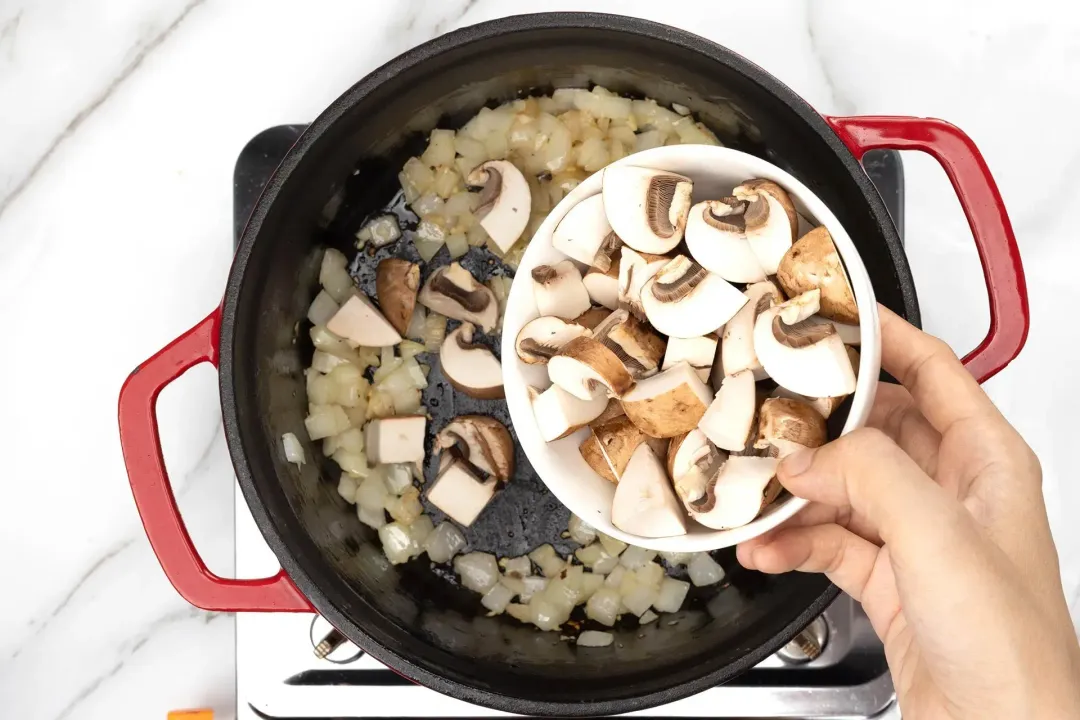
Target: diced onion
<point x="479" y="571"/>
<point x="581" y="532"/>
<point x="457" y="245"/>
<point x="325" y="420"/>
<point x="547" y="615"/>
<point x="397" y="477"/>
<point x="416" y="323"/>
<point x="294" y="451"/>
<point x="636" y="557"/>
<point x="396" y="542"/>
<point x="334" y="277"/>
<point x="534" y="585"/>
<point x="372" y="518"/>
<point x="613" y="546"/>
<point x="328" y="342"/>
<point x="447" y="181"/>
<point x="704" y="570"/>
<point x="647" y="617"/>
<point x="371" y="493"/>
<point x="595" y="638"/>
<point x="322" y="308"/>
<point x="590" y="583"/>
<point x="676" y="558"/>
<point x="440" y="149"/>
<point x="434" y="331"/>
<point x="603" y="606"/>
<point x="649" y="574"/>
<point x="321" y="390"/>
<point x="547" y="560"/>
<point x="324" y="362"/>
<point x="419" y="531"/>
<point x="383" y="230"/>
<point x="671" y="595"/>
<point x="444" y="542"/>
<point x="515" y="584"/>
<point x="354" y="463"/>
<point x="347" y="488"/>
<point x="519" y="612"/>
<point x="615" y="577"/>
<point x="409" y="348"/>
<point x="517" y="566"/>
<point x="639" y="599"/>
<point x="497" y="598"/>
<point x="405" y="508"/>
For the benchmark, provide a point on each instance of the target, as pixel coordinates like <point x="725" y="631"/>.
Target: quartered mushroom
<point x="716" y="236"/>
<point x="700" y="352"/>
<point x="802" y="353"/>
<point x="603" y="285"/>
<point x="850" y="334"/>
<point x="459" y="493"/>
<point x="813" y="262"/>
<point x="669" y="403"/>
<point x="396" y="284"/>
<point x="481" y="441"/>
<point x="737" y="346"/>
<point x="505" y="201"/>
<point x="824" y="407"/>
<point x="360" y="321"/>
<point x="685" y="300"/>
<point x="540" y="339"/>
<point x="647" y="208"/>
<point x="785" y="426"/>
<point x="645" y="503"/>
<point x="730" y="418"/>
<point x="692" y="460"/>
<point x="610" y="445"/>
<point x="635" y="269"/>
<point x="771" y="221"/>
<point x="585" y="234"/>
<point x="633" y="342"/>
<point x="737" y="492"/>
<point x="397" y="439"/>
<point x="587" y="369"/>
<point x="559" y="291"/>
<point x="453" y="291"/>
<point x="612" y="411"/>
<point x="470" y="367"/>
<point x="592" y="317"/>
<point x="558" y="413"/>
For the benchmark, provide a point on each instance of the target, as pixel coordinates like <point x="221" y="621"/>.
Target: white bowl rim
<point x="520" y="308"/>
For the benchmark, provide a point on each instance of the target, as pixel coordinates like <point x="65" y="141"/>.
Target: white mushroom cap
<point x="785" y="426"/>
<point x="647" y="208"/>
<point x="633" y="342"/>
<point x="691" y="461"/>
<point x="716" y="238"/>
<point x="481" y="441"/>
<point x="771" y="221"/>
<point x="585" y="235"/>
<point x="635" y="269"/>
<point x="587" y="369"/>
<point x="558" y="413"/>
<point x="668" y="404"/>
<point x="610" y="446"/>
<point x="813" y="262"/>
<point x="397" y="439"/>
<point x="730" y="416"/>
<point x="540" y="339"/>
<point x="645" y="503"/>
<point x="360" y="321"/>
<point x="807" y="357"/>
<point x="453" y="291"/>
<point x="471" y="368"/>
<point x="685" y="300"/>
<point x="603" y="286"/>
<point x="460" y="494"/>
<point x="737" y="493"/>
<point x="505" y="201"/>
<point x="559" y="291"/>
<point x="700" y="352"/>
<point x="737" y="347"/>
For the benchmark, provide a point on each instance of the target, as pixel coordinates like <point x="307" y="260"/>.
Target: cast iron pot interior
<point x="344" y="168"/>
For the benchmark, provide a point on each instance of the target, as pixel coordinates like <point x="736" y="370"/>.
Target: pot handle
<point x="985" y="211"/>
<point x="153" y="493"/>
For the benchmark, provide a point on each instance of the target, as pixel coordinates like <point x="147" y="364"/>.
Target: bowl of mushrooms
<point x="682" y="321"/>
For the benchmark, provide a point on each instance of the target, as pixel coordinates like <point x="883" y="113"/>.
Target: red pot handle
<point x="981" y="201"/>
<point x="154" y="496"/>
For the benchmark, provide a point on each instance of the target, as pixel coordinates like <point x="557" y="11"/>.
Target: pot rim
<point x="426" y="53"/>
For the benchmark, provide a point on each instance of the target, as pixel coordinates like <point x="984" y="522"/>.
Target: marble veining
<point x="120" y="125"/>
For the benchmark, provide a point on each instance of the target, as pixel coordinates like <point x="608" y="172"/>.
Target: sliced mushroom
<point x="540" y="339"/>
<point x="716" y="238"/>
<point x="505" y="201"/>
<point x="771" y="221"/>
<point x="647" y="208"/>
<point x="558" y="413"/>
<point x="691" y="460"/>
<point x="603" y="285"/>
<point x="822" y="406"/>
<point x="730" y="416"/>
<point x="635" y="269"/>
<point x="453" y="291"/>
<point x="559" y="290"/>
<point x="360" y="321"/>
<point x="610" y="445"/>
<point x="737" y="347"/>
<point x="645" y="503"/>
<point x="470" y="367"/>
<point x="736" y="494"/>
<point x="700" y="352"/>
<point x="669" y="403"/>
<point x="396" y="284"/>
<point x="639" y="348"/>
<point x="813" y="262"/>
<point x="685" y="300"/>
<point x="397" y="439"/>
<point x="585" y="235"/>
<point x="785" y="426"/>
<point x="612" y="411"/>
<point x="804" y="355"/>
<point x="459" y="493"/>
<point x="592" y="317"/>
<point x="481" y="441"/>
<point x="587" y="369"/>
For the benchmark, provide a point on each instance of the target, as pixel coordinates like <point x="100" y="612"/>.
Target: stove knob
<point x="807" y="645"/>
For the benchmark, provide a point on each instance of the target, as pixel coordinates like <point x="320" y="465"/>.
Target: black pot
<point x="413" y="619"/>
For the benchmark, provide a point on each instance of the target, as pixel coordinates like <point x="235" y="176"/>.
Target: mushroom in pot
<point x="647" y="208"/>
<point x="685" y="300"/>
<point x="397" y="439"/>
<point x="505" y="201"/>
<point x="360" y="321"/>
<point x="481" y="441"/>
<point x="396" y="284"/>
<point x="459" y="493"/>
<point x="453" y="291"/>
<point x="470" y="367"/>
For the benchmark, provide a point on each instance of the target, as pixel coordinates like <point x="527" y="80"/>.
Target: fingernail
<point x="797" y="462"/>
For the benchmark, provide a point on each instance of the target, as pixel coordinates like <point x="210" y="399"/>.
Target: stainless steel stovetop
<point x="279" y="676"/>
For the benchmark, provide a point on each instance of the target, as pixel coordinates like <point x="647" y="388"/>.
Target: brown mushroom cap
<point x="482" y="441"/>
<point x="813" y="262"/>
<point x="615" y="441"/>
<point x="396" y="284"/>
<point x="787" y="425"/>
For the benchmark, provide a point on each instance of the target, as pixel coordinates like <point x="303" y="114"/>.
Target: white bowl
<point x="715" y="171"/>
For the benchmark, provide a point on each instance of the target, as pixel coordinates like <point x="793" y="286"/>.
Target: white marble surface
<point x="119" y="124"/>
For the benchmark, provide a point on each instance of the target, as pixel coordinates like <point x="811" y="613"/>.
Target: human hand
<point x="933" y="518"/>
